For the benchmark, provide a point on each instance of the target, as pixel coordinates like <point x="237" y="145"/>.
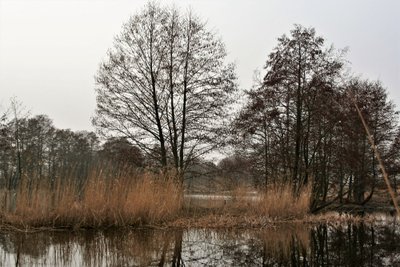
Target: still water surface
<point x="285" y="245"/>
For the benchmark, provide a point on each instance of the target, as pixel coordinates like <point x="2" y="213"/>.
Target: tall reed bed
<point x="103" y="200"/>
<point x="277" y="201"/>
<point x="280" y="201"/>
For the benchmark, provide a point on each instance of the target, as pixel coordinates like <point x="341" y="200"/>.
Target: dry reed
<point x="124" y="199"/>
<point x="277" y="202"/>
<point x="102" y="202"/>
<point x="244" y="207"/>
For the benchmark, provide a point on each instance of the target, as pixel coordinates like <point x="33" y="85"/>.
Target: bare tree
<point x="165" y="86"/>
<point x="300" y="123"/>
<point x="287" y="109"/>
<point x="18" y="112"/>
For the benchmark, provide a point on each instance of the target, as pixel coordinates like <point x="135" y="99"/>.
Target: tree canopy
<point x="300" y="123"/>
<point x="165" y="86"/>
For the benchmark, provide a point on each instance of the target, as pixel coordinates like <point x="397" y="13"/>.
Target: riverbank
<point x="147" y="199"/>
<point x="151" y="200"/>
<point x="216" y="219"/>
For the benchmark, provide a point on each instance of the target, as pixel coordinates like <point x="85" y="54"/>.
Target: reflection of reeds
<point x="123" y="200"/>
<point x="128" y="248"/>
<point x="282" y="245"/>
<point x="90" y="248"/>
<point x="281" y="241"/>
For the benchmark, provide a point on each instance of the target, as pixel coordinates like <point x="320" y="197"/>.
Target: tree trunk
<point x="298" y="123"/>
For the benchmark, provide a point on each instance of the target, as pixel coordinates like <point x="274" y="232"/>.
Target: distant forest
<point x="167" y="100"/>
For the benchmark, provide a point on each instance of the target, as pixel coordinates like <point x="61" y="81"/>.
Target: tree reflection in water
<point x="286" y="245"/>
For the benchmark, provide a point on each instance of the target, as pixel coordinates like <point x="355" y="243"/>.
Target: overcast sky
<point x="50" y="50"/>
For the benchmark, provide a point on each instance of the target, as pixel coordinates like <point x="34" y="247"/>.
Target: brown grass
<point x="277" y="202"/>
<point x="280" y="201"/>
<point x="120" y="201"/>
<point x="244" y="207"/>
<point x="129" y="199"/>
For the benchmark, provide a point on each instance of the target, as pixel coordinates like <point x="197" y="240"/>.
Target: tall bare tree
<point x="165" y="86"/>
<point x="286" y="108"/>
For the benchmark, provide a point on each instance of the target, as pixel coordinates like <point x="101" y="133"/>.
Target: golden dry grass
<point x="120" y="201"/>
<point x="126" y="199"/>
<point x="277" y="202"/>
<point x="280" y="201"/>
<point x="244" y="207"/>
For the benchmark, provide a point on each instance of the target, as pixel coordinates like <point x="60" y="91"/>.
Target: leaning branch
<point x="377" y="154"/>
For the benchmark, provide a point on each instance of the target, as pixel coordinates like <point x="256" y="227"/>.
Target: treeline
<point x="32" y="148"/>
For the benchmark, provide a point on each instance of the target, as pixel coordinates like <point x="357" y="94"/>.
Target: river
<point x="298" y="244"/>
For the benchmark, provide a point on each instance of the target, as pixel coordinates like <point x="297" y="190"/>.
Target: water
<point x="284" y="245"/>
